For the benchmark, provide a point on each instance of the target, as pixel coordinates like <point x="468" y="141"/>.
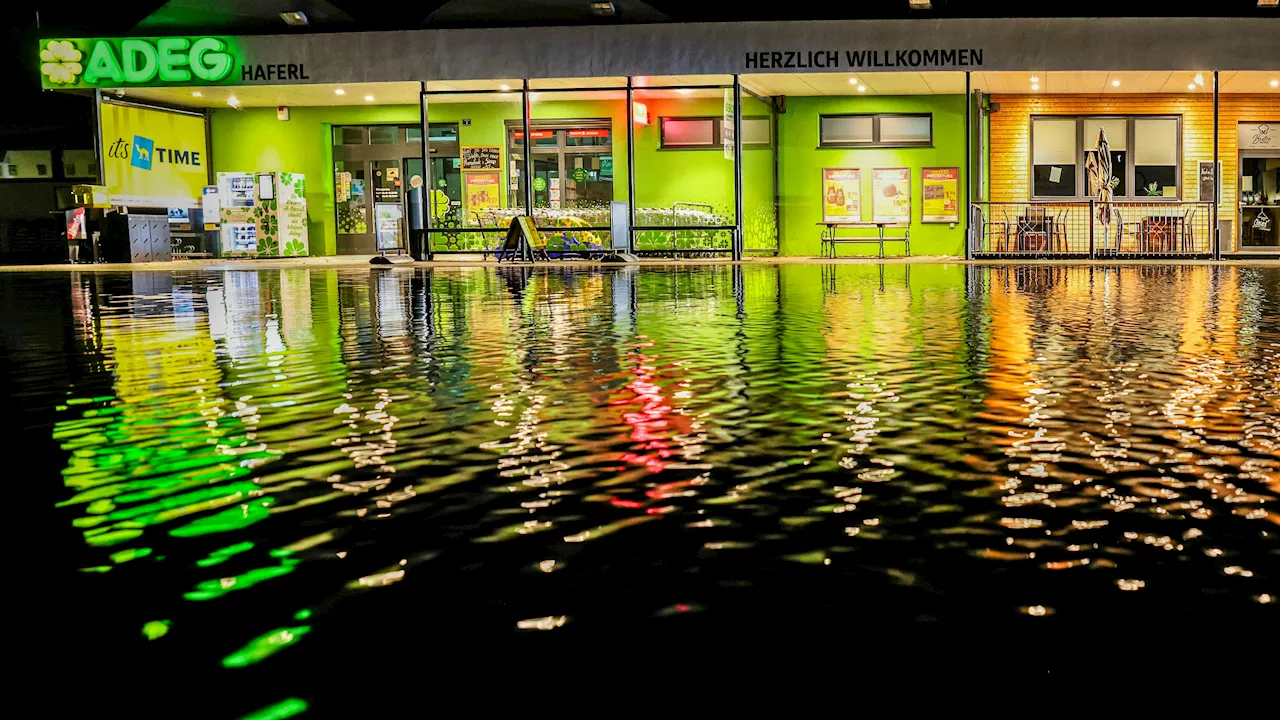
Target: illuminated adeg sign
<point x="120" y="62"/>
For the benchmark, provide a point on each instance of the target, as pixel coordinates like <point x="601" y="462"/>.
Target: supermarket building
<point x="974" y="138"/>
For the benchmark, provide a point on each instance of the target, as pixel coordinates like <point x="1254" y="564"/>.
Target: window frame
<point x="1131" y="141"/>
<point x="717" y="132"/>
<point x="876" y="141"/>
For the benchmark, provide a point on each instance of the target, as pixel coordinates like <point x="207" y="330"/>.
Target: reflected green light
<point x="155" y="629"/>
<point x="213" y="589"/>
<point x="283" y="709"/>
<point x="222" y="555"/>
<point x="264" y="646"/>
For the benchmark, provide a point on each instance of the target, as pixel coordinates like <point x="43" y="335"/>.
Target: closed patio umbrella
<point x="1100" y="180"/>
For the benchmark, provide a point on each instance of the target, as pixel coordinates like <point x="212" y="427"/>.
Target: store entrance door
<point x="1259" y="193"/>
<point x="372" y="167"/>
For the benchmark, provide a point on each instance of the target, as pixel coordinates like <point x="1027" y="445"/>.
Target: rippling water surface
<point x="279" y="480"/>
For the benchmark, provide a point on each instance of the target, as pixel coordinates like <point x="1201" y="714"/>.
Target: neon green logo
<point x="60" y="62"/>
<point x="137" y="61"/>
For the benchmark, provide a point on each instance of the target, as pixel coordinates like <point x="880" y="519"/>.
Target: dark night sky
<point x="32" y="109"/>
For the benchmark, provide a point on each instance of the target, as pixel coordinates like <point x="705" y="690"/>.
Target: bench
<point x="830" y="239"/>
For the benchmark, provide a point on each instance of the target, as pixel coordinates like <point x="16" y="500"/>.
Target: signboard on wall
<point x="481" y="190"/>
<point x="841" y="195"/>
<point x="1206" y="179"/>
<point x="480" y="158"/>
<point x="891" y="195"/>
<point x="153" y="158"/>
<point x="940" y="195"/>
<point x="726" y="125"/>
<point x="1260" y="136"/>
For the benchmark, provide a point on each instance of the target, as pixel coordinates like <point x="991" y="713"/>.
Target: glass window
<point x="756" y="131"/>
<point x="413" y="134"/>
<point x="1117" y="134"/>
<point x="79" y="164"/>
<point x="383" y="135"/>
<point x="26" y="164"/>
<point x="847" y="130"/>
<point x="1155" y="157"/>
<point x="689" y="133"/>
<point x="587" y="137"/>
<point x="442" y="132"/>
<point x="348" y="136"/>
<point x="875" y="130"/>
<point x="1053" y="157"/>
<point x="906" y="130"/>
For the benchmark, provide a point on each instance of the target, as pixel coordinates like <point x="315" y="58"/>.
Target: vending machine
<point x="263" y="214"/>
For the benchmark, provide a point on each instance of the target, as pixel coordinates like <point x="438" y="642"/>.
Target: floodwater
<point x="281" y="483"/>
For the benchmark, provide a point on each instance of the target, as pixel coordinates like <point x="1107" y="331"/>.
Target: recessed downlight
<point x="197" y="93"/>
<point x="862" y="88"/>
<point x="339" y="91"/>
<point x="1115" y="83"/>
<point x="504" y="87"/>
<point x="368" y="98"/>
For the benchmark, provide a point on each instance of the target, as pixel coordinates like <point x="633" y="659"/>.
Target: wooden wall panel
<point x="1011" y="131"/>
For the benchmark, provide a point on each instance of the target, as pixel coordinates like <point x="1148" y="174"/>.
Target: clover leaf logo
<point x="60" y="61"/>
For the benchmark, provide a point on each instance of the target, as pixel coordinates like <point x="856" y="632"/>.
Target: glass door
<point x="352" y="201"/>
<point x="388" y="205"/>
<point x="1259" y="193"/>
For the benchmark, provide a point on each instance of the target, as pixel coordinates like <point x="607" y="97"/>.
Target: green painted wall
<point x="254" y="140"/>
<point x="801" y="162"/>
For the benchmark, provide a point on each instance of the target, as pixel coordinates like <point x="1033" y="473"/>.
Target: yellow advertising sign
<point x="481" y="190"/>
<point x="941" y="194"/>
<point x="153" y="158"/>
<point x="841" y="195"/>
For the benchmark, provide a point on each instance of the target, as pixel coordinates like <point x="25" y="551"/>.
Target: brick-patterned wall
<point x="1011" y="132"/>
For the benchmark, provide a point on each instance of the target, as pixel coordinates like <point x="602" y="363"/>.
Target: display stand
<point x="524" y="242"/>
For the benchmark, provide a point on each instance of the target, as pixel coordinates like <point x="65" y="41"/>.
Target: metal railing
<point x="1090" y="228"/>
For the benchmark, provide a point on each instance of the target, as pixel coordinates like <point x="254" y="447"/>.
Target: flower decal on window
<point x="60" y="61"/>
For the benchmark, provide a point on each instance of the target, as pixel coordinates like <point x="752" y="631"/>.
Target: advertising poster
<point x="292" y="215"/>
<point x="726" y="125"/>
<point x="940" y="193"/>
<point x="841" y="195"/>
<point x="891" y="195"/>
<point x="153" y="158"/>
<point x="481" y="190"/>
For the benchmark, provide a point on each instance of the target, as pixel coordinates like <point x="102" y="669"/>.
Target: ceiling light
<point x="1275" y="83"/>
<point x="1035" y="79"/>
<point x="295" y="18"/>
<point x="368" y="98"/>
<point x="862" y="88"/>
<point x="504" y="87"/>
<point x="919" y="4"/>
<point x="197" y="93"/>
<point x="1199" y="79"/>
<point x="339" y="91"/>
<point x="1035" y="86"/>
<point x="603" y="9"/>
<point x="233" y="101"/>
<point x="1115" y="83"/>
<point x="1267" y="3"/>
<point x="853" y="81"/>
<point x="685" y="91"/>
<point x="1191" y="86"/>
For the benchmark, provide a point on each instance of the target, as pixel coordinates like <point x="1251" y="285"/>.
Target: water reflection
<point x="257" y="454"/>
